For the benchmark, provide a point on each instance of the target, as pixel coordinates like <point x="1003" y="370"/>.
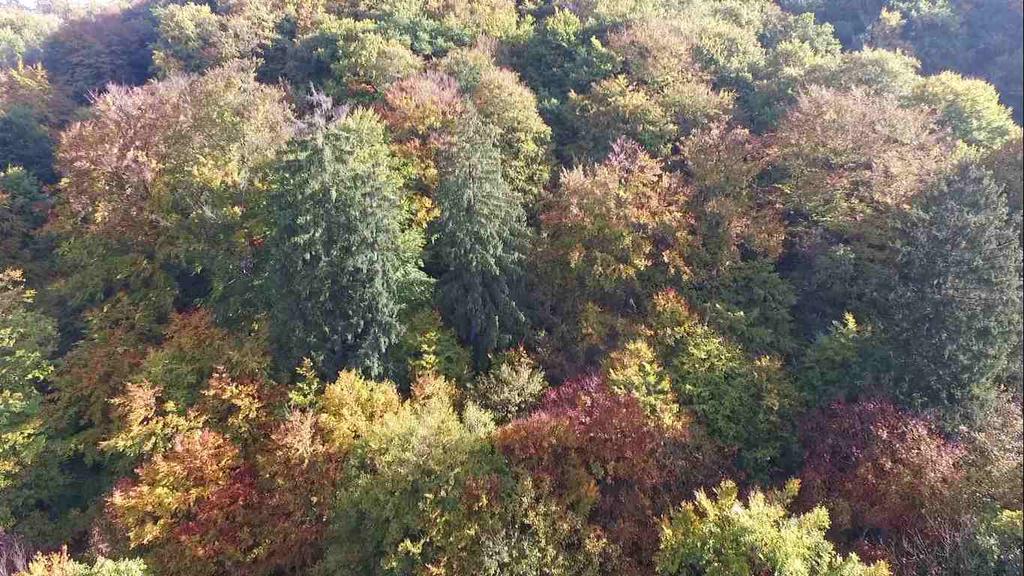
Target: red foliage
<point x="878" y="469"/>
<point x="421" y="112"/>
<point x="603" y="456"/>
<point x="217" y="531"/>
<point x="417" y="105"/>
<point x="298" y="469"/>
<point x="207" y="506"/>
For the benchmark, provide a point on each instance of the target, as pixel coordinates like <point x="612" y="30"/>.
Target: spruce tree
<point x="478" y="241"/>
<point x="338" y="252"/>
<point x="957" y="303"/>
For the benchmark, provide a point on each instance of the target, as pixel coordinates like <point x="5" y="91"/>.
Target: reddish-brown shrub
<point x="604" y="457"/>
<point x="879" y="470"/>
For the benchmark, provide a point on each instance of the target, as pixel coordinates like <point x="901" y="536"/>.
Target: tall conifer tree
<point x="339" y="256"/>
<point x="478" y="241"/>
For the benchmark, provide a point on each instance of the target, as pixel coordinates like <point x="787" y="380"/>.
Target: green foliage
<point x="405" y="480"/>
<point x="995" y="456"/>
<point x="836" y="365"/>
<point x="957" y="304"/>
<point x="29" y="87"/>
<point x="980" y="40"/>
<point x="880" y="71"/>
<point x="746" y="404"/>
<point x="340" y="268"/>
<point x="1002" y="535"/>
<point x="612" y="109"/>
<point x="755" y="51"/>
<point x="478" y="242"/>
<point x="750" y="303"/>
<point x="561" y="56"/>
<point x="349" y="59"/>
<point x="635" y="370"/>
<point x="167" y="179"/>
<point x="1007" y="166"/>
<point x="433" y="28"/>
<point x="172" y="378"/>
<point x="970" y="108"/>
<point x="721" y="535"/>
<point x="511" y="108"/>
<point x="734" y="218"/>
<point x="117" y="337"/>
<point x="986" y="545"/>
<point x="191" y="38"/>
<point x="428" y="346"/>
<point x="22" y="34"/>
<point x="27" y="341"/>
<point x="60" y="564"/>
<point x="424" y="490"/>
<point x="25" y="142"/>
<point x="194" y="38"/>
<point x="23" y="207"/>
<point x="511" y="388"/>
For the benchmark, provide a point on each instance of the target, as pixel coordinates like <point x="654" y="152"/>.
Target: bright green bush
<point x="720" y="535"/>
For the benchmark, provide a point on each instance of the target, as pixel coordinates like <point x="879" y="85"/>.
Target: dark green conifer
<point x="339" y="254"/>
<point x="478" y="241"/>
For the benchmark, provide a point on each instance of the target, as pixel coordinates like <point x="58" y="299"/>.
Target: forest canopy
<point x="511" y="288"/>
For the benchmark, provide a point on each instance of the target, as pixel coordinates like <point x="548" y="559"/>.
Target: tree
<point x="603" y="457"/>
<point x="194" y="37"/>
<point x="423" y="490"/>
<point x="22" y="34"/>
<point x="24" y="142"/>
<point x="970" y="108"/>
<point x="179" y="491"/>
<point x="244" y="482"/>
<point x="23" y="208"/>
<point x="338" y="251"/>
<point x="879" y="71"/>
<point x="349" y="59"/>
<point x="190" y="38"/>
<point x="511" y="388"/>
<point x="434" y="28"/>
<point x="880" y="471"/>
<point x="839" y="364"/>
<point x="614" y="108"/>
<point x="505" y="103"/>
<point x="562" y="55"/>
<point x="977" y="39"/>
<point x="635" y="370"/>
<point x="60" y="564"/>
<point x="749" y="303"/>
<point x="721" y="536"/>
<point x="734" y="217"/>
<point x="111" y="46"/>
<point x="956" y="308"/>
<point x="478" y="241"/>
<point x="746" y="403"/>
<point x="846" y="163"/>
<point x="851" y="155"/>
<point x="612" y="234"/>
<point x="175" y="160"/>
<point x="27" y="340"/>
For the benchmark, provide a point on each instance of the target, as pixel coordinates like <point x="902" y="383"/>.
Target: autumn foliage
<point x="511" y="288"/>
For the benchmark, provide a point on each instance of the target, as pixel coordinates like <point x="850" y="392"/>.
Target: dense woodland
<point x="511" y="288"/>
